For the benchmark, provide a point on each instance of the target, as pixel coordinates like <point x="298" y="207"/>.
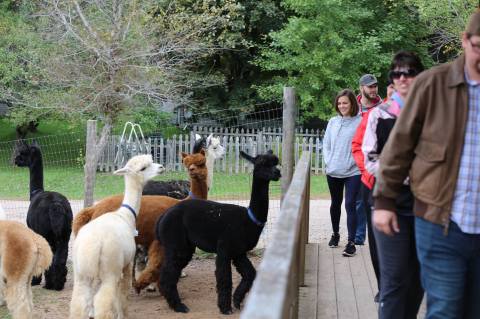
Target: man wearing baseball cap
<point x="436" y="142"/>
<point x="367" y="100"/>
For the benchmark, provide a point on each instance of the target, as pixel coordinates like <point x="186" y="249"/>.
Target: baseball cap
<point x="473" y="26"/>
<point x="367" y="79"/>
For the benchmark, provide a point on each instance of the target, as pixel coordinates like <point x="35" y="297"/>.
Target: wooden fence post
<point x="289" y="112"/>
<point x="90" y="168"/>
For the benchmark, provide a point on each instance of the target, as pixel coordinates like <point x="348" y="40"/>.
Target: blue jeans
<point x="361" y="220"/>
<point x="450" y="270"/>
<point x="352" y="187"/>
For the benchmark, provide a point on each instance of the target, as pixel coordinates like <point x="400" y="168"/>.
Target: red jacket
<point x="367" y="179"/>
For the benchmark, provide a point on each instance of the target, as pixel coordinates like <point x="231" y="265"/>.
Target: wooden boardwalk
<point x="338" y="287"/>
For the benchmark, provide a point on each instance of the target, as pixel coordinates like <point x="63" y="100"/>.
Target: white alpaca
<point x="104" y="249"/>
<point x="23" y="254"/>
<point x="215" y="150"/>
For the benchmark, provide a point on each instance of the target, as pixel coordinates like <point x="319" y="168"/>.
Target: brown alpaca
<point x="151" y="208"/>
<point x="23" y="254"/>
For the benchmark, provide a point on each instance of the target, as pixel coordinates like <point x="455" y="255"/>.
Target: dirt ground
<point x="197" y="291"/>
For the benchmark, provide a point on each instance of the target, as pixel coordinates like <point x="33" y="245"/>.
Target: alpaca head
<point x="141" y="168"/>
<point x="195" y="163"/>
<point x="214" y="148"/>
<point x="211" y="144"/>
<point x="265" y="166"/>
<point x="26" y="154"/>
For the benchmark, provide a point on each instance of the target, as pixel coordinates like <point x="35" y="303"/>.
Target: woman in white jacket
<point x="341" y="169"/>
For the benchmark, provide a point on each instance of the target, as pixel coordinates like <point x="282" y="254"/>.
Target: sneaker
<point x="334" y="240"/>
<point x="350" y="249"/>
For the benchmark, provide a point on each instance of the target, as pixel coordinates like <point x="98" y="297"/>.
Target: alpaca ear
<point x="122" y="171"/>
<point x="209" y="139"/>
<point x="183" y="155"/>
<point x="197" y="137"/>
<point x="247" y="157"/>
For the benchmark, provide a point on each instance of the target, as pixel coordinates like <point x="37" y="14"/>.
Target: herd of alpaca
<point x="168" y="225"/>
<point x="152" y="207"/>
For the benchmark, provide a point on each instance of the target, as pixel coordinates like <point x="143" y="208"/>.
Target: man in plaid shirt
<point x="436" y="142"/>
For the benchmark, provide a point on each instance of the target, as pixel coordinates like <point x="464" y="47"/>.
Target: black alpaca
<point x="178" y="189"/>
<point x="49" y="215"/>
<point x="228" y="230"/>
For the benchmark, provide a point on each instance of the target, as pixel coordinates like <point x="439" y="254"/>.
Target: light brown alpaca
<point x="151" y="208"/>
<point x="23" y="254"/>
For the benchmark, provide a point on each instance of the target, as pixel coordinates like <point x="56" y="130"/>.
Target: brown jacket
<point x="426" y="144"/>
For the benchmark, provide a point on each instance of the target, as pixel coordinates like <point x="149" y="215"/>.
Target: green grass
<point x="69" y="181"/>
<point x="62" y="147"/>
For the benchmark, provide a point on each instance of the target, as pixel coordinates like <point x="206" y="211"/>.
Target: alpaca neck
<point x="210" y="160"/>
<point x="198" y="188"/>
<point x="36" y="176"/>
<point x="132" y="197"/>
<point x="259" y="200"/>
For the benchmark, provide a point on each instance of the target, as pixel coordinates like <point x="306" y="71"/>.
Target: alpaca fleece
<point x="23" y="254"/>
<point x="151" y="208"/>
<point x="49" y="215"/>
<point x="104" y="250"/>
<point x="225" y="229"/>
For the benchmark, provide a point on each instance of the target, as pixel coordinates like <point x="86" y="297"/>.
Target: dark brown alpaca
<point x="151" y="208"/>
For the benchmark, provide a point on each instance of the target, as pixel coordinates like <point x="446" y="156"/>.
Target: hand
<point x="385" y="221"/>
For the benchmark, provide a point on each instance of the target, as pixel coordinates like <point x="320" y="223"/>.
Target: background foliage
<point x="245" y="52"/>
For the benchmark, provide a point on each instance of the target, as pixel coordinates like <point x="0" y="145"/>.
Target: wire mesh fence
<point x="64" y="157"/>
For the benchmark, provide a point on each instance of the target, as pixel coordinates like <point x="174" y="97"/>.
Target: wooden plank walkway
<point x="338" y="287"/>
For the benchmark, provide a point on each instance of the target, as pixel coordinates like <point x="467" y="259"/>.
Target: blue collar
<point x="130" y="209"/>
<point x="254" y="219"/>
<point x="192" y="196"/>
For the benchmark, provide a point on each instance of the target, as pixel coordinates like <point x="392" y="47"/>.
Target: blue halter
<point x="254" y="219"/>
<point x="130" y="209"/>
<point x="192" y="196"/>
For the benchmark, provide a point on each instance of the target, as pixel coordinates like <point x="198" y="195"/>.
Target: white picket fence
<point x="167" y="151"/>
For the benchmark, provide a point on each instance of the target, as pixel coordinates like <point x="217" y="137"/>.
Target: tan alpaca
<point x="23" y="254"/>
<point x="152" y="207"/>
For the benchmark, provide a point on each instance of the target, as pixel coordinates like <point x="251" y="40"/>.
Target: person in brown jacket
<point x="436" y="142"/>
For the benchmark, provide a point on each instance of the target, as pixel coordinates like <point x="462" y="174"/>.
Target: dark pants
<point x="401" y="292"/>
<point x="361" y="219"/>
<point x="450" y="270"/>
<point x="336" y="185"/>
<point x="372" y="245"/>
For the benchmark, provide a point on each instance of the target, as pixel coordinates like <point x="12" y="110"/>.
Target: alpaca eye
<point x="143" y="169"/>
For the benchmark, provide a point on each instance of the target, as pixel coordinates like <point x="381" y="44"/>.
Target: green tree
<point x="240" y="38"/>
<point x="19" y="74"/>
<point x="445" y="20"/>
<point x="327" y="45"/>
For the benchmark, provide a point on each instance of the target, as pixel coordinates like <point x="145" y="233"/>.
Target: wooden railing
<point x="274" y="294"/>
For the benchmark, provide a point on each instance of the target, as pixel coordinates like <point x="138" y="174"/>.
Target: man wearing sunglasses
<point x="436" y="142"/>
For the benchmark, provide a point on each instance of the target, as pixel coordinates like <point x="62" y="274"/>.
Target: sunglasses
<point x="410" y="73"/>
